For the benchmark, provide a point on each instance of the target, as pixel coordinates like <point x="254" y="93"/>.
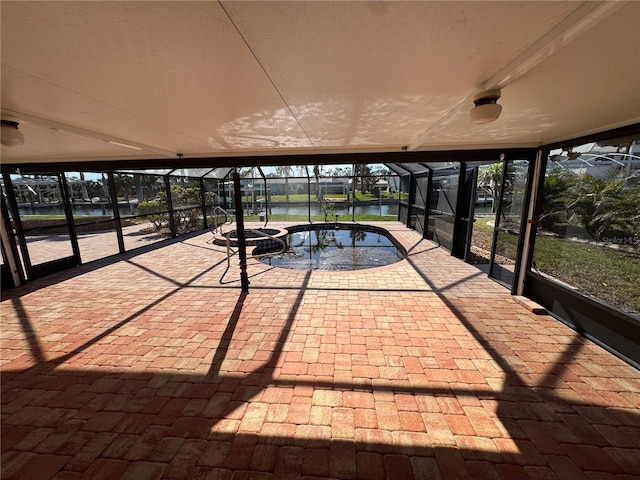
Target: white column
<point x="12" y="262"/>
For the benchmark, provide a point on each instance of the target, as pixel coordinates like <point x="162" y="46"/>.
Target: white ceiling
<point x="252" y="78"/>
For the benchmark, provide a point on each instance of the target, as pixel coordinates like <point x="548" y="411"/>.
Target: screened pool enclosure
<point x="559" y="225"/>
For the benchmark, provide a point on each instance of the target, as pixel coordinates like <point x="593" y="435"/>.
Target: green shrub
<point x="186" y="219"/>
<point x="154" y="212"/>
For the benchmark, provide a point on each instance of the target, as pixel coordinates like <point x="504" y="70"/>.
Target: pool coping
<point x="402" y="249"/>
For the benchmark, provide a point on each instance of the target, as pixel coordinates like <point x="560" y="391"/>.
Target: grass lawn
<point x="603" y="272"/>
<point x="293" y="197"/>
<point x="482" y="233"/>
<point x="606" y="273"/>
<point x="42" y="217"/>
<point x="303" y="197"/>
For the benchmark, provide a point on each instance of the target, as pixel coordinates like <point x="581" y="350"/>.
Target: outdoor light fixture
<point x="486" y="109"/>
<point x="10" y="136"/>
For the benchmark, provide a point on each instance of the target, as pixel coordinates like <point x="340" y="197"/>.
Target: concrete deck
<point x="157" y="366"/>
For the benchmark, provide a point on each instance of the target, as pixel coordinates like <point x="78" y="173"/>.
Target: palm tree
<point x="556" y="194"/>
<point x="317" y="171"/>
<point x="608" y="205"/>
<point x="124" y="184"/>
<point x="83" y="187"/>
<point x="285" y="171"/>
<point x="364" y="172"/>
<point x="490" y="177"/>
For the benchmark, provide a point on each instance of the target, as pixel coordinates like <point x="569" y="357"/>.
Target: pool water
<point x="337" y="248"/>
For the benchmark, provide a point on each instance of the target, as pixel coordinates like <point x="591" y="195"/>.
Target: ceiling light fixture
<point x="65" y="128"/>
<point x="486" y="109"/>
<point x="10" y="136"/>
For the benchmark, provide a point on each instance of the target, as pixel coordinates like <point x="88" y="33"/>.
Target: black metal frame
<point x="523" y="224"/>
<point x="496" y="228"/>
<point x="522" y="228"/>
<point x="6" y="277"/>
<point x="472" y="209"/>
<point x="397" y="158"/>
<point x="416" y="209"/>
<point x="465" y="204"/>
<point x="66" y="203"/>
<point x="454" y="214"/>
<point x="116" y="211"/>
<point x="611" y="328"/>
<point x="616" y="330"/>
<point x="203" y="203"/>
<point x="308" y="192"/>
<point x="172" y="220"/>
<point x="427" y="204"/>
<point x="13" y="205"/>
<point x="43" y="269"/>
<point x="10" y="249"/>
<point x="411" y="199"/>
<point x="266" y="195"/>
<point x="242" y="245"/>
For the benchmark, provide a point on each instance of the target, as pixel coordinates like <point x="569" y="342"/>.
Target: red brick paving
<point x="155" y="366"/>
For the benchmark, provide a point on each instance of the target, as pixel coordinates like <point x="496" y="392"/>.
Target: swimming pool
<point x="252" y="237"/>
<point x="335" y="247"/>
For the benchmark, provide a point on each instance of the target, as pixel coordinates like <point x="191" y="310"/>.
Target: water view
<point x="131" y="209"/>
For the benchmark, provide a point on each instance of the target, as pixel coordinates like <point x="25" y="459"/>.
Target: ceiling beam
<point x="83" y="132"/>
<point x="488" y="155"/>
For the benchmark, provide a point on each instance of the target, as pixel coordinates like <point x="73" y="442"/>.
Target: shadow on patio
<point x="184" y="378"/>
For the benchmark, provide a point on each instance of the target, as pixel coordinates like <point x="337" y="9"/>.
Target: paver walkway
<point x="156" y="366"/>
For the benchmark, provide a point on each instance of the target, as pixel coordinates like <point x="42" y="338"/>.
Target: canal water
<point x="343" y="211"/>
<point x="274" y="209"/>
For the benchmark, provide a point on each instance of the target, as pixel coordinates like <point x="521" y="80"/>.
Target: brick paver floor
<point x="157" y="366"/>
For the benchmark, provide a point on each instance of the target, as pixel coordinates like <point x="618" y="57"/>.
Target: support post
<point x="266" y="197"/>
<point x="308" y="193"/>
<point x="412" y="199"/>
<point x="353" y="193"/>
<point x="13" y="205"/>
<point x="535" y="185"/>
<point x="111" y="182"/>
<point x="203" y="203"/>
<point x="427" y="203"/>
<point x="9" y="246"/>
<point x="172" y="220"/>
<point x="242" y="244"/>
<point x="68" y="212"/>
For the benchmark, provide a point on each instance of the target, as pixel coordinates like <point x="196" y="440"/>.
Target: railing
<point x="215" y="218"/>
<point x="269" y="254"/>
<point x="256" y="232"/>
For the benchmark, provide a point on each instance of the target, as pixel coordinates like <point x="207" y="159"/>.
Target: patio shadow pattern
<point x="155" y="365"/>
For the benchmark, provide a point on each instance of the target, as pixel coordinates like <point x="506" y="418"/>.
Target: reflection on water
<point x="131" y="209"/>
<point x="78" y="210"/>
<point x="341" y="210"/>
<point x="336" y="250"/>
